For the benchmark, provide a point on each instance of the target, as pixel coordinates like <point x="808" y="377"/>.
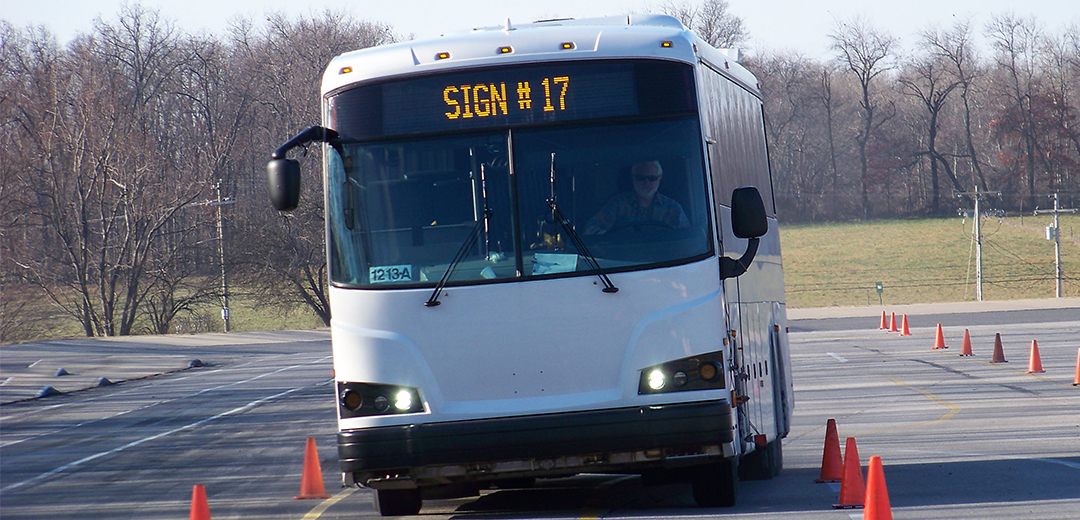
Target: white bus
<point x="553" y="250"/>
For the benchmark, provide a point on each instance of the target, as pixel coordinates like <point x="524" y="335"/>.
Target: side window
<point x="739" y="157"/>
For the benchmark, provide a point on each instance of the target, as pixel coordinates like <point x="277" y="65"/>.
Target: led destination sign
<point x="508" y="96"/>
<point x="487" y="100"/>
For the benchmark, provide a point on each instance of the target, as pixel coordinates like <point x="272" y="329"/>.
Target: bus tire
<point x="777" y="453"/>
<point x="397" y="502"/>
<point x="716" y="485"/>
<point x="763" y="463"/>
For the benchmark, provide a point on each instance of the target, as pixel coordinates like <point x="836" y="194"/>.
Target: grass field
<point x="825" y="265"/>
<point x="25" y="315"/>
<point x="924" y="261"/>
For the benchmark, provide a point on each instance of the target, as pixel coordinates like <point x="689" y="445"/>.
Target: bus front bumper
<point x="620" y="439"/>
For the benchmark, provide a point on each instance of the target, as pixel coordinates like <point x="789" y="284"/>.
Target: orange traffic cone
<point x="904" y="329"/>
<point x="200" y="509"/>
<point x="965" y="349"/>
<point x="1076" y="380"/>
<point x="892" y="322"/>
<point x="999" y="354"/>
<point x="883" y="325"/>
<point x="876" y="506"/>
<point x="311" y="483"/>
<point x="832" y="467"/>
<point x="852" y="489"/>
<point x="1034" y="361"/>
<point x="939" y="340"/>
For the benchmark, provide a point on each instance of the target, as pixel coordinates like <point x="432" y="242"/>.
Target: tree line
<point x="116" y="146"/>
<point x="880" y="132"/>
<point x="113" y="145"/>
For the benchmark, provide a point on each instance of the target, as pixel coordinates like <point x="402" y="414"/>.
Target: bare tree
<point x="711" y="20"/>
<point x="285" y="255"/>
<point x="103" y="180"/>
<point x="954" y="46"/>
<point x="863" y="50"/>
<point x="927" y="80"/>
<point x="1016" y="41"/>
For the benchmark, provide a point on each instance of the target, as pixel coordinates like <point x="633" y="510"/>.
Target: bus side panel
<point x="737" y="156"/>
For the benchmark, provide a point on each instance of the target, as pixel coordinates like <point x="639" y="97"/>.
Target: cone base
<point x="305" y="497"/>
<point x="850" y="506"/>
<point x="1037" y="372"/>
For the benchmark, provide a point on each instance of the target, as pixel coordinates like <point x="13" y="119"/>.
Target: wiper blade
<point x="470" y="241"/>
<point x="574" y="237"/>
<point x="580" y="245"/>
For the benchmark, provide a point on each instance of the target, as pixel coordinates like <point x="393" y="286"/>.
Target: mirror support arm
<point x="307" y="135"/>
<point x="731" y="268"/>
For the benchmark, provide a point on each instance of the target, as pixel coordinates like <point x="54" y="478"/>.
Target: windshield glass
<point x="458" y="173"/>
<point x="634" y="192"/>
<point x="400" y="211"/>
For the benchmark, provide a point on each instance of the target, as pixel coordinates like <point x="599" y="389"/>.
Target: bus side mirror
<point x="284" y="178"/>
<point x="747" y="221"/>
<point x="284" y="174"/>
<point x="748" y="213"/>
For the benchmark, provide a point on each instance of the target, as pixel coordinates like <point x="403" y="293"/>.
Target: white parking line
<point x="838" y="357"/>
<point x="154" y="437"/>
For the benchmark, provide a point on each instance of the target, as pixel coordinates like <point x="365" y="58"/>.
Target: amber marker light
<point x="442" y="56"/>
<point x="568" y="46"/>
<point x="708" y="371"/>
<point x="351" y="399"/>
<point x="505" y="50"/>
<point x="665" y="44"/>
<point x="345" y="70"/>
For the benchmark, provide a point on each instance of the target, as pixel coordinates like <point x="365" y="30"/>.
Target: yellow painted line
<point x="953" y="409"/>
<point x="314" y="514"/>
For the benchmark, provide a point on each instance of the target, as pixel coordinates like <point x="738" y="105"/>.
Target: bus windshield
<point x="402" y="209"/>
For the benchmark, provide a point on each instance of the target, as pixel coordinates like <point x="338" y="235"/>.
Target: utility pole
<point x="221" y="252"/>
<point x="1057" y="240"/>
<point x="978" y="195"/>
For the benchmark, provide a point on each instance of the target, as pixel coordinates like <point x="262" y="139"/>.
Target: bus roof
<point x="634" y="36"/>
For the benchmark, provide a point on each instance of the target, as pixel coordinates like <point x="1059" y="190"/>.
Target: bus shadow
<point x="924" y="485"/>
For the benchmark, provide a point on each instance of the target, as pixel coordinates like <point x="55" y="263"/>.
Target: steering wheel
<point x="642" y="223"/>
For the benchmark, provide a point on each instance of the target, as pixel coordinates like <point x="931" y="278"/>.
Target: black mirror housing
<point x="284" y="178"/>
<point x="748" y="213"/>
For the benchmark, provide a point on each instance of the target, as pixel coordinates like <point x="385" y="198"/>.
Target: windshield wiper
<point x="574" y="237"/>
<point x="470" y="241"/>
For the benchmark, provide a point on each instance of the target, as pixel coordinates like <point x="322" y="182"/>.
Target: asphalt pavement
<point x="28" y="370"/>
<point x="949" y="314"/>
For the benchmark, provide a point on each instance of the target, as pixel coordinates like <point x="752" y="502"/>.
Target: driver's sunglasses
<point x="643" y="178"/>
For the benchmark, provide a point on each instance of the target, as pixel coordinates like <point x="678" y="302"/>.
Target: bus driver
<point x="643" y="205"/>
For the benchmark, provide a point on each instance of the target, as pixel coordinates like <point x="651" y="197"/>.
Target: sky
<point x="799" y="25"/>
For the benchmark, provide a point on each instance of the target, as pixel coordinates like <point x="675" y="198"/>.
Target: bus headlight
<point x="368" y="399"/>
<point x="701" y="372"/>
<point x="403" y="401"/>
<point x="657" y="380"/>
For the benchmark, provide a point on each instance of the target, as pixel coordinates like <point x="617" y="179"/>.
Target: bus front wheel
<point x="397" y="502"/>
<point x="715" y="485"/>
